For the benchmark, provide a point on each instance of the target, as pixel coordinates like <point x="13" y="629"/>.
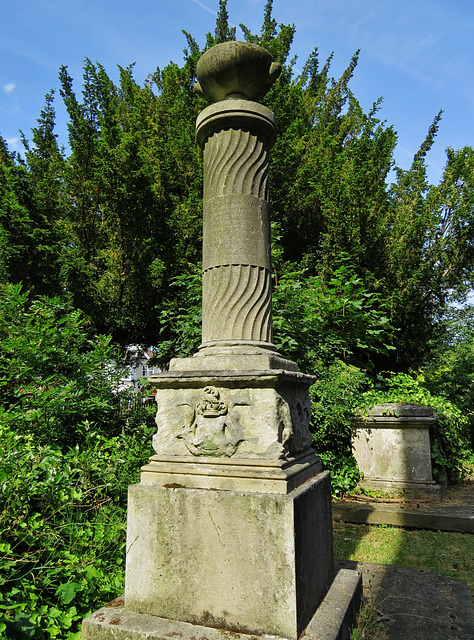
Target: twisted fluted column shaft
<point x="236" y="136"/>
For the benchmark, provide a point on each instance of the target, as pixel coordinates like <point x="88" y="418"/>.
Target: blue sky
<point x="417" y="54"/>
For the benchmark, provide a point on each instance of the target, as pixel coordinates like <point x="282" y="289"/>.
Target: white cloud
<point x="9" y="87"/>
<point x="14" y="144"/>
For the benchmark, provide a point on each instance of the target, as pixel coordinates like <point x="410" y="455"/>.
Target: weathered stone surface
<point x="414" y="603"/>
<point x="236" y="138"/>
<point x="241" y="414"/>
<point x="241" y="357"/>
<point x="399" y="452"/>
<point x="337" y="614"/>
<point x="451" y="518"/>
<point x="235" y="114"/>
<point x="237" y="304"/>
<point x="395" y="411"/>
<point x="392" y="448"/>
<point x="248" y="562"/>
<point x="334" y="620"/>
<point x="232" y="68"/>
<point x="117" y="623"/>
<point x="234" y="474"/>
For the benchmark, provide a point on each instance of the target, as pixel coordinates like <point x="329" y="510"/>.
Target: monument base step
<point x="410" y="489"/>
<point x="333" y="620"/>
<point x="234" y="474"/>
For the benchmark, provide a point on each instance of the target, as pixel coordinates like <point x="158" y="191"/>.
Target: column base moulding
<point x="263" y="476"/>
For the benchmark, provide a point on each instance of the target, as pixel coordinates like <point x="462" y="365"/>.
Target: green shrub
<point x="319" y="320"/>
<point x="334" y="398"/>
<point x="62" y="528"/>
<point x="69" y="448"/>
<point x="451" y="372"/>
<point x="54" y="376"/>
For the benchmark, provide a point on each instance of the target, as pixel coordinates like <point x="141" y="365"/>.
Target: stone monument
<point x="393" y="449"/>
<point x="230" y="527"/>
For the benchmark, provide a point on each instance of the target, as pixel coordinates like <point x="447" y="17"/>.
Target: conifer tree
<point x="116" y="221"/>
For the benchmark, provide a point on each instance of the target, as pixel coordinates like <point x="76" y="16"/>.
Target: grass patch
<point x="369" y="626"/>
<point x="448" y="554"/>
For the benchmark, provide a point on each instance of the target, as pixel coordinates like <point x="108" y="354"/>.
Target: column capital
<point x="236" y="114"/>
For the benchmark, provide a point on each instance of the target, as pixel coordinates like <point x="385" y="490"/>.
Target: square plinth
<point x="394" y="451"/>
<point x="256" y="563"/>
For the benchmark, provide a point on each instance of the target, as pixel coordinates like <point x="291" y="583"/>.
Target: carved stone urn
<point x="236" y="69"/>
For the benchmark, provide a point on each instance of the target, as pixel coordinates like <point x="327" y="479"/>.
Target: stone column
<point x="236" y="136"/>
<point x="237" y="398"/>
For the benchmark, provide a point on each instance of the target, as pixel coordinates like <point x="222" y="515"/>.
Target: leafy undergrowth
<point x="62" y="529"/>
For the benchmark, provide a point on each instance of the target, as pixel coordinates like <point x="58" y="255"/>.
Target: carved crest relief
<point x="211" y="429"/>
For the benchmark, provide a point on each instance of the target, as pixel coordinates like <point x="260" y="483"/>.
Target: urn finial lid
<point x="236" y="70"/>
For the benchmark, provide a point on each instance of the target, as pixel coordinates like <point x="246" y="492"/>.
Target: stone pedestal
<point x="249" y="562"/>
<point x="233" y="413"/>
<point x="392" y="449"/>
<point x="231" y="524"/>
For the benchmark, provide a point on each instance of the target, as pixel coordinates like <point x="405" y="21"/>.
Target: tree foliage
<point x="367" y="258"/>
<point x="127" y="183"/>
<point x="112" y="224"/>
<point x="30" y="238"/>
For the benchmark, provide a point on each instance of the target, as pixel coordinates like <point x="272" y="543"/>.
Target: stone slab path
<point x="454" y="513"/>
<point x="410" y="603"/>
